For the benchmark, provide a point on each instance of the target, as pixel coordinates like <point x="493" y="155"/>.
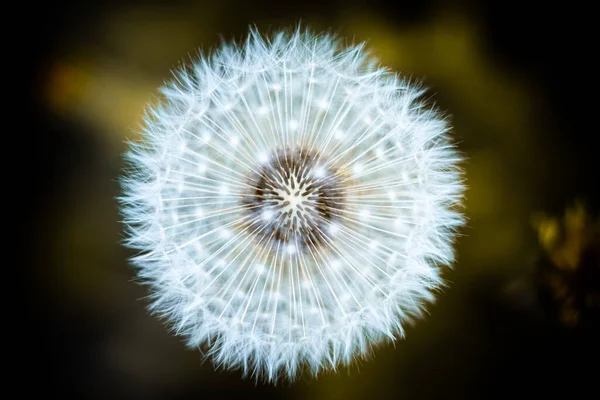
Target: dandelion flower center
<point x="295" y="196"/>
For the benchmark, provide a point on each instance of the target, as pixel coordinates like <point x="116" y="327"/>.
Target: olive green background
<point x="514" y="78"/>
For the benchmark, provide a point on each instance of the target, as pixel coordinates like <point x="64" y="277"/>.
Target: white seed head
<point x="292" y="203"/>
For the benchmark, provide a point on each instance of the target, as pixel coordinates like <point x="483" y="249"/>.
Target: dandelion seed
<point x="292" y="203"/>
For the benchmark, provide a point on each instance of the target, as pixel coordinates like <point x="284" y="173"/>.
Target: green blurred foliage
<point x="100" y="83"/>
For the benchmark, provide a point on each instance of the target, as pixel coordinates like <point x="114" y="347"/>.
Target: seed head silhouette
<point x="292" y="203"/>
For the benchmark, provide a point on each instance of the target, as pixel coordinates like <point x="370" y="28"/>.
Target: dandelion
<point x="292" y="203"/>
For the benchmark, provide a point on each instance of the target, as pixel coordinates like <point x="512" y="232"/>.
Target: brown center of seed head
<point x="295" y="200"/>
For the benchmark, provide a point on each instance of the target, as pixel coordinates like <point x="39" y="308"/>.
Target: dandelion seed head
<point x="292" y="203"/>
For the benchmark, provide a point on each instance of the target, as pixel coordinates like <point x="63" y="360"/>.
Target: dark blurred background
<point x="520" y="315"/>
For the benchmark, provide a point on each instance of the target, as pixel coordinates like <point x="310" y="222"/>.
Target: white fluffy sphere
<point x="292" y="202"/>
